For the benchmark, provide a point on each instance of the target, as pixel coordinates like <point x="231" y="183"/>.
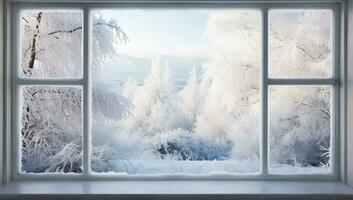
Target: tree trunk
<point x="28" y="72"/>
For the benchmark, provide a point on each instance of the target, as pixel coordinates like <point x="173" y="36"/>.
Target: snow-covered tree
<point x="299" y="116"/>
<point x="154" y="105"/>
<point x="51" y="116"/>
<point x="190" y="98"/>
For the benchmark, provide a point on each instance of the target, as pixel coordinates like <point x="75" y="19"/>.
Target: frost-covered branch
<point x="121" y="34"/>
<point x="326" y="112"/>
<point x="307" y="52"/>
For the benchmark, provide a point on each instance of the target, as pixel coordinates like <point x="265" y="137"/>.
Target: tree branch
<point x="121" y="34"/>
<point x="25" y="20"/>
<point x="65" y="31"/>
<point x="327" y="113"/>
<point x="306" y="52"/>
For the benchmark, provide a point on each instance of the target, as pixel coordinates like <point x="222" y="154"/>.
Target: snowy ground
<point x="290" y="169"/>
<point x="206" y="167"/>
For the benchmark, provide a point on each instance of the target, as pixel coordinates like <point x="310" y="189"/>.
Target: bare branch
<point x="254" y="88"/>
<point x="306" y="52"/>
<point x="120" y="33"/>
<point x="65" y="31"/>
<point x="25" y="20"/>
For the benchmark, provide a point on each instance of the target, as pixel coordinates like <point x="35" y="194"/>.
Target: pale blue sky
<point x="177" y="36"/>
<point x="178" y="32"/>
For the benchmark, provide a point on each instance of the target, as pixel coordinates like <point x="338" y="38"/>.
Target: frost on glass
<point x="299" y="129"/>
<point x="300" y="43"/>
<point x="51" y="129"/>
<point x="180" y="96"/>
<point x="50" y="44"/>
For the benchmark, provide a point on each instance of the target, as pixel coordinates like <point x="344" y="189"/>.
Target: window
<point x="190" y="91"/>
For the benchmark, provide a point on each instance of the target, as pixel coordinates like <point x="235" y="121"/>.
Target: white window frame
<point x="13" y="82"/>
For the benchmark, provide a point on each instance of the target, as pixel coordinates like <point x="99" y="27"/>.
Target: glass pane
<point x="51" y="44"/>
<point x="300" y="43"/>
<point x="300" y="129"/>
<point x="180" y="96"/>
<point x="51" y="129"/>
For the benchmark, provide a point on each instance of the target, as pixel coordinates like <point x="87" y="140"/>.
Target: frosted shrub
<point x="300" y="127"/>
<point x="51" y="129"/>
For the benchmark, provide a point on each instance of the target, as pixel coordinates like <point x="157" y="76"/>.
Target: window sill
<point x="176" y="189"/>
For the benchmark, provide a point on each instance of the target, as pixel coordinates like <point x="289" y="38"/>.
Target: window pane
<point x="300" y="43"/>
<point x="299" y="129"/>
<point x="51" y="129"/>
<point x="51" y="44"/>
<point x="181" y="95"/>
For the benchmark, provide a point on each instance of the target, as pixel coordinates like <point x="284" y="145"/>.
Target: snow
<point x="160" y="167"/>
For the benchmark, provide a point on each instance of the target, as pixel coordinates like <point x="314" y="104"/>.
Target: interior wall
<point x="350" y="94"/>
<point x="1" y="85"/>
<point x="349" y="90"/>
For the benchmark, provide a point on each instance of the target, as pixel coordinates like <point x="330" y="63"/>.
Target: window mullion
<point x="336" y="97"/>
<point x="63" y="82"/>
<point x="313" y="81"/>
<point x="86" y="94"/>
<point x="264" y="94"/>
